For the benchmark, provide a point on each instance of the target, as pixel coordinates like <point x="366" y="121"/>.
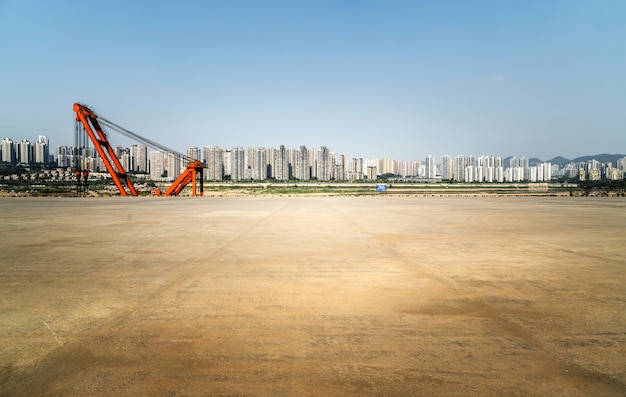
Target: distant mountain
<point x="560" y="161"/>
<point x="603" y="158"/>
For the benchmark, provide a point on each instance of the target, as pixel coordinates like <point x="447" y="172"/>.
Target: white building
<point x="214" y="163"/>
<point x="302" y="164"/>
<point x="459" y="168"/>
<point x="8" y="151"/>
<point x="469" y="174"/>
<point x="193" y="152"/>
<point x="139" y="158"/>
<point x="42" y="150"/>
<point x="356" y="173"/>
<point x="342" y="168"/>
<point x="157" y="165"/>
<point x="25" y="152"/>
<point x="281" y="164"/>
<point x="257" y="161"/>
<point x="431" y="170"/>
<point x="237" y="164"/>
<point x="447" y="168"/>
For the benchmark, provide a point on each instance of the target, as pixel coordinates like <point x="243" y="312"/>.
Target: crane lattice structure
<point x="89" y="125"/>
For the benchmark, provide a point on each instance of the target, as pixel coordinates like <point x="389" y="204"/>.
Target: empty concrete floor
<point x="312" y="296"/>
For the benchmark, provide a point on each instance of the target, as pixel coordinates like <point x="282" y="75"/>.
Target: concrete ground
<point x="313" y="296"/>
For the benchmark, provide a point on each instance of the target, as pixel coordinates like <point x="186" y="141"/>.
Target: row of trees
<point x="603" y="186"/>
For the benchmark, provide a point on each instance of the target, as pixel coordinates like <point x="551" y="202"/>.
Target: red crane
<point x="92" y="126"/>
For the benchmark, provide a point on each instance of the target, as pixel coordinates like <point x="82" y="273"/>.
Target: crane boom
<point x="188" y="175"/>
<point x="91" y="123"/>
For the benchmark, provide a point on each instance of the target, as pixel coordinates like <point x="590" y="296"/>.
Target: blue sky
<point x="373" y="79"/>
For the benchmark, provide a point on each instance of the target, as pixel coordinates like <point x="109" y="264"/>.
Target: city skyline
<point x="128" y="144"/>
<point x="282" y="163"/>
<point x="397" y="79"/>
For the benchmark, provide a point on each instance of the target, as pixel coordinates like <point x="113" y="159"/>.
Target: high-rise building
<point x="292" y="155"/>
<point x="471" y="166"/>
<point x="311" y="160"/>
<point x="431" y="170"/>
<point x="139" y="158"/>
<point x="525" y="165"/>
<point x="405" y="168"/>
<point x="372" y="173"/>
<point x="621" y="164"/>
<point x="87" y="158"/>
<point x="281" y="164"/>
<point x="486" y="166"/>
<point x="193" y="152"/>
<point x="214" y="163"/>
<point x="173" y="165"/>
<point x="547" y="171"/>
<point x="498" y="174"/>
<point x="488" y="174"/>
<point x="415" y="167"/>
<point x="249" y="157"/>
<point x="593" y="165"/>
<point x="42" y="150"/>
<point x="459" y="168"/>
<point x="357" y="169"/>
<point x="343" y="167"/>
<point x="227" y="157"/>
<point x="62" y="156"/>
<point x="25" y="152"/>
<point x="237" y="164"/>
<point x="157" y="165"/>
<point x="508" y="174"/>
<point x="498" y="169"/>
<point x="479" y="174"/>
<point x="126" y="160"/>
<point x="257" y="161"/>
<point x="447" y="168"/>
<point x="118" y="150"/>
<point x="387" y="166"/>
<point x="8" y="151"/>
<point x="323" y="164"/>
<point x="470" y="173"/>
<point x="270" y="157"/>
<point x="303" y="172"/>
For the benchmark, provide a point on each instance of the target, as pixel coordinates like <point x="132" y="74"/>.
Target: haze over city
<point x="371" y="79"/>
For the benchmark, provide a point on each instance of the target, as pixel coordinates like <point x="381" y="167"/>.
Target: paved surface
<point x="313" y="296"/>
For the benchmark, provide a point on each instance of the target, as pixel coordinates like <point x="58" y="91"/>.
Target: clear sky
<point x="372" y="79"/>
